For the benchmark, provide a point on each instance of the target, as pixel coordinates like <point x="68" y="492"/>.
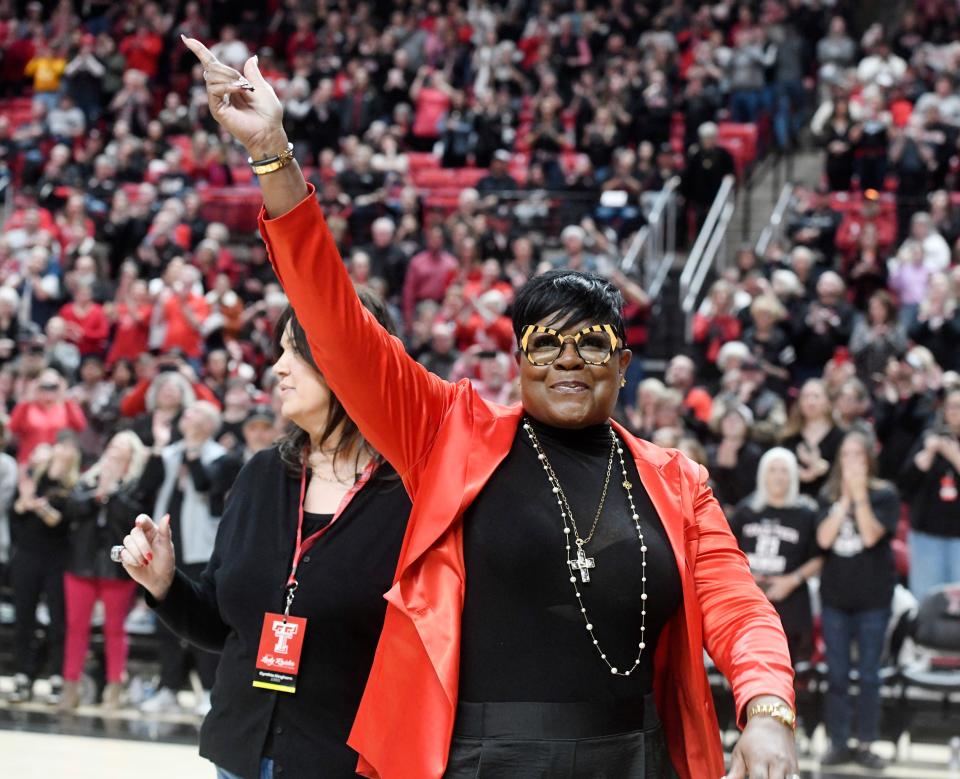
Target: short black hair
<point x="571" y="296"/>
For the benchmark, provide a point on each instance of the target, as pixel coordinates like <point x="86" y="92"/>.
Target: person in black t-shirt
<point x="929" y="480"/>
<point x="776" y="527"/>
<point x="856" y="588"/>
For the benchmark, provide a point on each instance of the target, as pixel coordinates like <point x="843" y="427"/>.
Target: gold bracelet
<point x="778" y="711"/>
<point x="271" y="164"/>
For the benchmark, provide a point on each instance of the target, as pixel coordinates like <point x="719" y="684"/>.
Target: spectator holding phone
<point x="43" y="413"/>
<point x="929" y="480"/>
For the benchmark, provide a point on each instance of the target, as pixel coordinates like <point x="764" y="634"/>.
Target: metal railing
<point x="654" y="247"/>
<point x="709" y="251"/>
<point x="774" y="228"/>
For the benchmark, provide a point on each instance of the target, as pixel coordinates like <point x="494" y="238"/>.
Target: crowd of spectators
<point x="127" y="293"/>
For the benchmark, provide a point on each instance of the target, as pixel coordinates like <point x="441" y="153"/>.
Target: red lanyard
<point x="305" y="545"/>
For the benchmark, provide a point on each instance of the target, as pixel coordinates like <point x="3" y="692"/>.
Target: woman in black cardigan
<point x="99" y="510"/>
<point x="253" y="731"/>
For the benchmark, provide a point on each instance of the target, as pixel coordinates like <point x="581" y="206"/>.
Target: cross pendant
<point x="583" y="564"/>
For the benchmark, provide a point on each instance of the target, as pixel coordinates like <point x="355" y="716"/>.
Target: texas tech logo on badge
<point x="278" y="659"/>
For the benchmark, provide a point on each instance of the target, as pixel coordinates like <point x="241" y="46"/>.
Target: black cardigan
<point x="342" y="582"/>
<point x="92" y="533"/>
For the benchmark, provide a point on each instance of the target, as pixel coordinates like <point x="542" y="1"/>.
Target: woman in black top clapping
<point x="812" y="435"/>
<point x="324" y="466"/>
<point x="856" y="588"/>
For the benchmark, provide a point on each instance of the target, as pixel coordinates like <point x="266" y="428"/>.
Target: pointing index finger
<point x="203" y="53"/>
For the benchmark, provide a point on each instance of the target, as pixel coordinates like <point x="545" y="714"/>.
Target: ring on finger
<point x="115" y="553"/>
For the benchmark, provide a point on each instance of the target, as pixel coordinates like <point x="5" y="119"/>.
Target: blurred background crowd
<point x="457" y="150"/>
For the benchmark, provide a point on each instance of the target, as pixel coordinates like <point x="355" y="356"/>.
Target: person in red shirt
<point x="44" y="413"/>
<point x="680" y="375"/>
<point x="142" y="50"/>
<point x="487" y="325"/>
<point x="182" y="313"/>
<point x="490" y="278"/>
<point x="713" y="328"/>
<point x="431" y="95"/>
<point x="87" y="324"/>
<point x="428" y="275"/>
<point x="131" y="315"/>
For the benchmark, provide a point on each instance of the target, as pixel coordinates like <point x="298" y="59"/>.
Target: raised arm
<point x="396" y="403"/>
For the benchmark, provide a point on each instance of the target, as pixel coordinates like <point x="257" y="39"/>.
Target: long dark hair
<point x="296" y="441"/>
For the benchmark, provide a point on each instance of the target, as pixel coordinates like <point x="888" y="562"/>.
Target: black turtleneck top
<point x="524" y="638"/>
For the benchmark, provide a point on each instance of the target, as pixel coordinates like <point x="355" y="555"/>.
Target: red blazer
<point x="446" y="442"/>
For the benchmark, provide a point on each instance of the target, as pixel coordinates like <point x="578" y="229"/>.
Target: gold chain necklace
<point x="541" y="455"/>
<point x="582" y="563"/>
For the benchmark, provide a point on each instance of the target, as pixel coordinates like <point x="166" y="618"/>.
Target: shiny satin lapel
<point x="429" y="589"/>
<point x="470" y="447"/>
<point x="660" y="474"/>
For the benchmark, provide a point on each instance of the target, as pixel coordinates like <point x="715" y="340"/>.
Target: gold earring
<point x="623" y="381"/>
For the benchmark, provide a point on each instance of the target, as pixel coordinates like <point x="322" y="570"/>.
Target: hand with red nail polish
<point x="148" y="555"/>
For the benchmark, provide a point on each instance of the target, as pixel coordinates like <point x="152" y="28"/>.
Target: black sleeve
<point x="738" y="518"/>
<point x="190" y="608"/>
<point x="225" y="472"/>
<point x="201" y="474"/>
<point x="151" y="479"/>
<point x="911" y="477"/>
<point x="886" y="508"/>
<point x="813" y="548"/>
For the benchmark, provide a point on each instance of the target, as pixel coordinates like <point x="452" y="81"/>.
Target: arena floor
<point x="37" y="742"/>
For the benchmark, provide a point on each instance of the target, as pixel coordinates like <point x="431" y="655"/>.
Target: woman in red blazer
<point x="448" y="445"/>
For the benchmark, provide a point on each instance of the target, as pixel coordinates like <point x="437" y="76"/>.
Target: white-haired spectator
<point x="575" y="255"/>
<point x="183" y="479"/>
<point x="776" y="527"/>
<point x="732" y="355"/>
<point x="936" y="250"/>
<point x="440" y="356"/>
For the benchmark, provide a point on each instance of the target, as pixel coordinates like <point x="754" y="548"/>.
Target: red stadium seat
<point x="421" y="160"/>
<point x="242" y="174"/>
<point x="236" y="207"/>
<point x="447" y="178"/>
<point x="747" y="134"/>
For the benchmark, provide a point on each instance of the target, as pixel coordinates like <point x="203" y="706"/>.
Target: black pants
<point x="34" y="575"/>
<point x="558" y="741"/>
<point x="176" y="655"/>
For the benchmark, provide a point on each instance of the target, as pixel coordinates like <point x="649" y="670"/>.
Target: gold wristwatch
<point x="270" y="164"/>
<point x="778" y="711"/>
